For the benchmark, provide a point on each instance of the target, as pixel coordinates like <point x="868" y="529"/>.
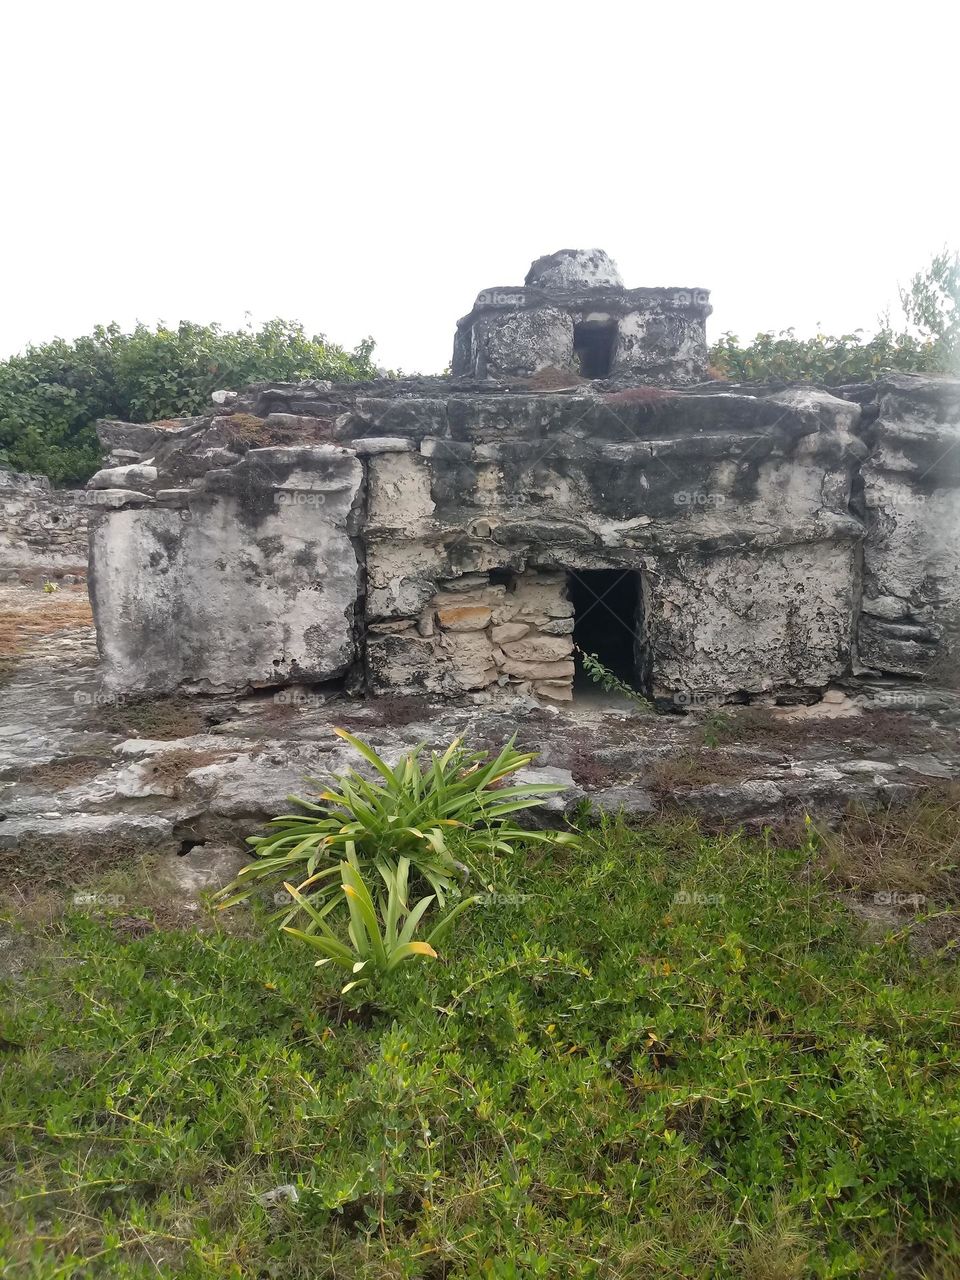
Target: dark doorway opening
<point x="607" y="620"/>
<point x="593" y="346"/>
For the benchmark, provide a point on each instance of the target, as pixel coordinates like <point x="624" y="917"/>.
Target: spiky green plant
<point x="373" y="950"/>
<point x="433" y="813"/>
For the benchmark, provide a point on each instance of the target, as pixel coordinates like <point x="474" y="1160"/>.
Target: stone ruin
<point x="579" y="483"/>
<point x="43" y="531"/>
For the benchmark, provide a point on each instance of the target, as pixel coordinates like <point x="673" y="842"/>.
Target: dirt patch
<point x="906" y="849"/>
<point x="246" y="431"/>
<point x="384" y="713"/>
<point x="760" y="725"/>
<point x="171" y="768"/>
<point x="39" y="864"/>
<point x="592" y="773"/>
<point x="697" y="769"/>
<point x="42" y="615"/>
<point x="56" y="775"/>
<point x="153" y="718"/>
<point x="550" y="378"/>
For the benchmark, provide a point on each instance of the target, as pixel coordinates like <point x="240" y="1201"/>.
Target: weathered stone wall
<point x="251" y="579"/>
<point x="756" y="521"/>
<point x="910" y="621"/>
<point x="42" y="530"/>
<point x="735" y="508"/>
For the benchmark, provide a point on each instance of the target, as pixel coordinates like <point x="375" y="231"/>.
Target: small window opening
<point x="607" y="621"/>
<point x="593" y="346"/>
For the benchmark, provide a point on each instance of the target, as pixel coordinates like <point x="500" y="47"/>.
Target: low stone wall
<point x="475" y="634"/>
<point x="43" y="531"/>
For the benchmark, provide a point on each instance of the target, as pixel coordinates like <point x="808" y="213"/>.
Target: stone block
<point x="555" y="690"/>
<point x="135" y="476"/>
<point x="465" y="617"/>
<point x="539" y="648"/>
<point x="507" y="631"/>
<point x="249" y="591"/>
<point x="536" y="670"/>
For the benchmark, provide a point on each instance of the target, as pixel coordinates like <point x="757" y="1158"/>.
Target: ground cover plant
<point x="656" y="1054"/>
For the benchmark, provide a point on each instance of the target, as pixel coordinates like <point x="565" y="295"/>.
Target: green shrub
<point x="930" y="343"/>
<point x="52" y="394"/>
<point x="608" y="680"/>
<point x="455" y="807"/>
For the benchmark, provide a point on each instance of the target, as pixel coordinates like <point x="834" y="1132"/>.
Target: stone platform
<point x="80" y="766"/>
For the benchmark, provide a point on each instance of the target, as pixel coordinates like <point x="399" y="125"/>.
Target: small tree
<point x="932" y="305"/>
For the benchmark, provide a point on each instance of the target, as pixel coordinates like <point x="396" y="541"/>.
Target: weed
<point x="56" y="775"/>
<point x="608" y="680"/>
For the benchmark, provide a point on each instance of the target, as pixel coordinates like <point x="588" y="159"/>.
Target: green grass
<point x="596" y="1080"/>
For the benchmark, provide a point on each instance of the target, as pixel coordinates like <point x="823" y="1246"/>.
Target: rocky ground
<point x="84" y="775"/>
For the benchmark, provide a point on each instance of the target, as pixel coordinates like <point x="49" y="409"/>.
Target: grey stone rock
<point x="204" y="869"/>
<point x="285" y="1194"/>
<point x="114" y="499"/>
<point x="136" y="476"/>
<point x="139" y="830"/>
<point x="630" y="800"/>
<point x="558" y="801"/>
<point x="570" y="269"/>
<point x="367" y="445"/>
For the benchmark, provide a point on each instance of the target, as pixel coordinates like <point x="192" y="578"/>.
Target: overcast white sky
<point x="368" y="168"/>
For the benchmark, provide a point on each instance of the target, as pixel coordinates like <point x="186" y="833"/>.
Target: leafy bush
<point x="457" y="804"/>
<point x="52" y="394"/>
<point x="929" y="344"/>
<point x="375" y="950"/>
<point x="827" y="359"/>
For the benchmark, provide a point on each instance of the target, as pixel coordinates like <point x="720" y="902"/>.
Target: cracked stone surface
<point x="869" y="741"/>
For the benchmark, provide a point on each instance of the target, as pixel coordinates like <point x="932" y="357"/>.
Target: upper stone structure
<point x="573" y="316"/>
<point x="569" y="269"/>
